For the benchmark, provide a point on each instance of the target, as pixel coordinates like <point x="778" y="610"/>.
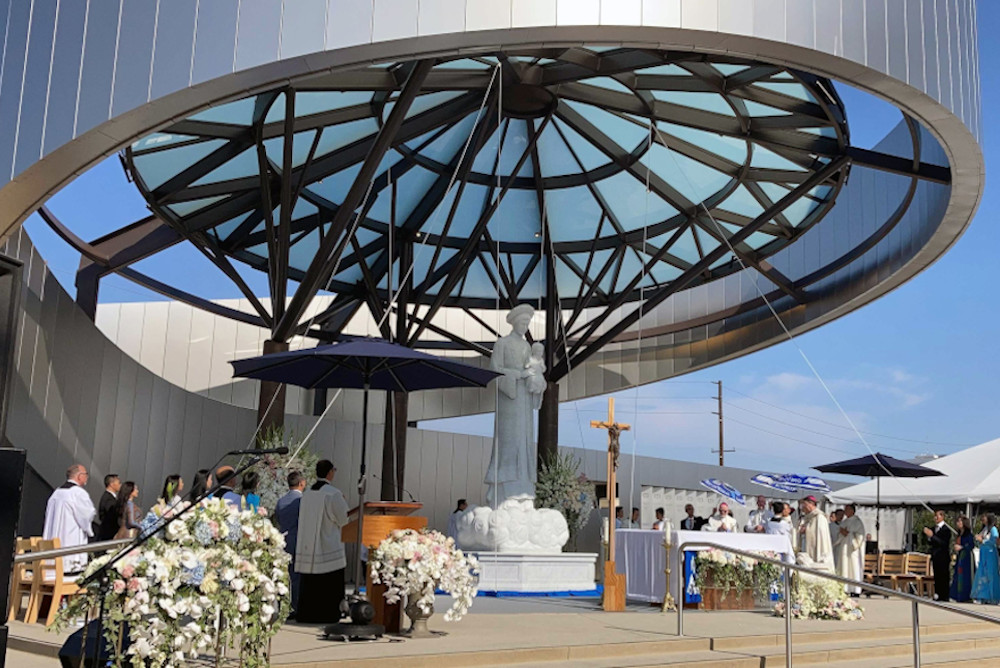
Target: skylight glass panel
<point x="691" y="178"/>
<point x="239" y="112"/>
<point x="160" y="140"/>
<point x="758" y="109"/>
<point x="627" y="135"/>
<point x="572" y="213"/>
<point x="517" y="217"/>
<point x="185" y="208"/>
<point x="242" y="166"/>
<point x="338" y="136"/>
<point x="728" y="69"/>
<point x="768" y="159"/>
<point x="589" y="155"/>
<point x="730" y="148"/>
<point x="157" y="168"/>
<point x="742" y="203"/>
<point x="631" y="203"/>
<point x="685" y="247"/>
<point x="308" y="103"/>
<point x="608" y="83"/>
<point x="792" y="89"/>
<point x="712" y="102"/>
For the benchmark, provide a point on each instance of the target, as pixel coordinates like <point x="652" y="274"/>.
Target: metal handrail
<point x="74" y="549"/>
<point x="916" y="601"/>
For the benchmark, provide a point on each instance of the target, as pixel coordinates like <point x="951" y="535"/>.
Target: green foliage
<point x="562" y="487"/>
<point x="726" y="571"/>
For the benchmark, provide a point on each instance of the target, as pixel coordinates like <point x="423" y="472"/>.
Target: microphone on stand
<point x="412" y="500"/>
<point x="270" y="451"/>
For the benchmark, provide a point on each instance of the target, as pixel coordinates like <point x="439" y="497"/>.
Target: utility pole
<point x="722" y="449"/>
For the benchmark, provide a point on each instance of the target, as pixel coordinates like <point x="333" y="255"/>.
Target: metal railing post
<point x="681" y="592"/>
<point x="916" y="634"/>
<point x="788" y="617"/>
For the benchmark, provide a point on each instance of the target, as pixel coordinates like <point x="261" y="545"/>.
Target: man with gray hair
<point x="69" y="516"/>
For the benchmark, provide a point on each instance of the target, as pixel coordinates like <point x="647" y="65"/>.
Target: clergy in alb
<point x="814" y="529"/>
<point x="319" y="552"/>
<point x="850" y="548"/>
<point x="69" y="515"/>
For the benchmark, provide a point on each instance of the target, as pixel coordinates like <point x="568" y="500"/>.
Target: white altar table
<point x="641" y="557"/>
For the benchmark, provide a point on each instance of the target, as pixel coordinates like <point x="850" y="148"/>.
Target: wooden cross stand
<point x="614" y="583"/>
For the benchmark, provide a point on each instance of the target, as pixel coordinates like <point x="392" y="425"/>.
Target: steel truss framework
<point x="581" y="180"/>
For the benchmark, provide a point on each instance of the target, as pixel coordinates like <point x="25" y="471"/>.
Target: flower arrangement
<point x="727" y="571"/>
<point x="274" y="469"/>
<point x="561" y="487"/>
<point x="215" y="576"/>
<point x="415" y="563"/>
<point x="819" y="598"/>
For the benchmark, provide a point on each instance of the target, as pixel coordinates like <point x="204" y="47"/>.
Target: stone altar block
<point x="564" y="571"/>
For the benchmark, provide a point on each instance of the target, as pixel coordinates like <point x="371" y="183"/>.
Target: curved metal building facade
<point x="82" y="80"/>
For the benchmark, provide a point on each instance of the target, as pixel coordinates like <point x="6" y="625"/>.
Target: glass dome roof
<point x="622" y="167"/>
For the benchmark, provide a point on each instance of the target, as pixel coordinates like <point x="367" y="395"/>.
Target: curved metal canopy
<point x="577" y="179"/>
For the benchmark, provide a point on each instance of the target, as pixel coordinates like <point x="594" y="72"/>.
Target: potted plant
<point x="414" y="564"/>
<point x="718" y="573"/>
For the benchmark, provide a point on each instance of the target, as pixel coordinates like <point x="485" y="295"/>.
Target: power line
<point x="813" y="431"/>
<point x="840" y="426"/>
<point x="791" y="438"/>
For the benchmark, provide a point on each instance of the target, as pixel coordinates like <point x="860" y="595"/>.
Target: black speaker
<point x="11" y="483"/>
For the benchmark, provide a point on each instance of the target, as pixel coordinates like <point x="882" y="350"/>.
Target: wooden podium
<point x="381" y="519"/>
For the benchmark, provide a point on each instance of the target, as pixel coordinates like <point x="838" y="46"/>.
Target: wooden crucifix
<point x="614" y="583"/>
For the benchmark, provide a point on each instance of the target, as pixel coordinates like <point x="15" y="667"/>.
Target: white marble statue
<point x="510" y="522"/>
<point x="511" y="472"/>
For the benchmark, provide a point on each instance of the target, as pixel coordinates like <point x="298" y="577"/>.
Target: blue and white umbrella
<point x="809" y="482"/>
<point x="771" y="480"/>
<point x="725" y="489"/>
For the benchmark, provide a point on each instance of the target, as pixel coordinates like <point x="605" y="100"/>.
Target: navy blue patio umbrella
<point x="363" y="363"/>
<point x="878" y="466"/>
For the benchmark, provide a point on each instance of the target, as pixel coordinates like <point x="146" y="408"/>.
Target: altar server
<point x="319" y="552"/>
<point x="851" y="548"/>
<point x="453" y="519"/>
<point x="814" y="527"/>
<point x="721" y="521"/>
<point x="757" y="523"/>
<point x="68" y="516"/>
<point x="835" y="537"/>
<point x="660" y="524"/>
<point x="780" y="524"/>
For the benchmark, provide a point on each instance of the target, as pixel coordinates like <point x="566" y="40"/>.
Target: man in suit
<point x="691" y="523"/>
<point x="106" y="525"/>
<point x="940" y="538"/>
<point x="287" y="513"/>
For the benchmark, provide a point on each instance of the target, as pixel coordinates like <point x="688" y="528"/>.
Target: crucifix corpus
<point x="614" y="583"/>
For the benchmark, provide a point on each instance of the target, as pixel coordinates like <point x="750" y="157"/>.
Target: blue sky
<point x="916" y="370"/>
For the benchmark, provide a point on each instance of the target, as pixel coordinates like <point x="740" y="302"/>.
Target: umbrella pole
<point x="362" y="486"/>
<point x="878" y="512"/>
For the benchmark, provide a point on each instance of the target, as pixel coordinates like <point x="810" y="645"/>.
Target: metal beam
<point x="698" y="268"/>
<point x="328" y="254"/>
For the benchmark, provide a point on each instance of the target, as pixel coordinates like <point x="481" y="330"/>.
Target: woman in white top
<point x="659" y="524"/>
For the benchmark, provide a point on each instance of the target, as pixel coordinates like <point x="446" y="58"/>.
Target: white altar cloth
<point x="641" y="557"/>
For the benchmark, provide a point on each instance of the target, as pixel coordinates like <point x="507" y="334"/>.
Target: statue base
<point x="536" y="573"/>
<point x="516" y="526"/>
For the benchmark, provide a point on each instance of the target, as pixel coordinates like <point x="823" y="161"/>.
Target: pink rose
<point x="128" y="571"/>
<point x="133" y="584"/>
<point x="118" y="586"/>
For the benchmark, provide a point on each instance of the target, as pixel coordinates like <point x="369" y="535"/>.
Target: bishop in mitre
<point x="850" y="548"/>
<point x="814" y="528"/>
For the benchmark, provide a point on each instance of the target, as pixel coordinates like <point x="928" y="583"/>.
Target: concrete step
<point x="893" y="649"/>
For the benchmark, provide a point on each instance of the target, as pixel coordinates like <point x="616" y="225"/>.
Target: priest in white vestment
<point x="69" y="516"/>
<point x="850" y="548"/>
<point x="814" y="527"/>
<point x="757" y="522"/>
<point x="721" y="521"/>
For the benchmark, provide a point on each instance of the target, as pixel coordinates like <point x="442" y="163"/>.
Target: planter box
<point x="717" y="599"/>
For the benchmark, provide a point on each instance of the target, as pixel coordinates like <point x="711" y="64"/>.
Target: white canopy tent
<point x="970" y="476"/>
